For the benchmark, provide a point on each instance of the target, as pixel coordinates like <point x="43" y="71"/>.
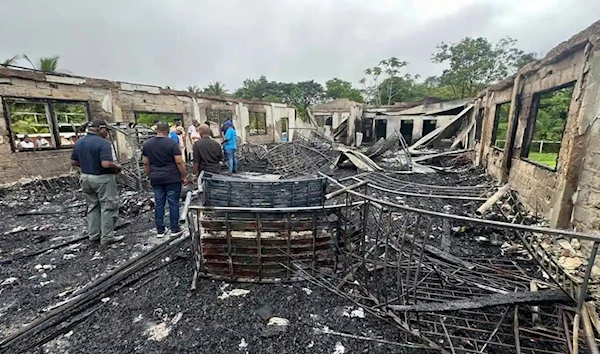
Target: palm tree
<point x="11" y="61"/>
<point x="195" y="90"/>
<point x="49" y="64"/>
<point x="215" y="89"/>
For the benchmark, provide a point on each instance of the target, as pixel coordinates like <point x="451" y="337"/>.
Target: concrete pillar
<point x="417" y="128"/>
<point x="196" y="110"/>
<point x="513" y="118"/>
<point x="577" y="133"/>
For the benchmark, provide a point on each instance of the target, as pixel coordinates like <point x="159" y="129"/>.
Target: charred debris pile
<point x="421" y="247"/>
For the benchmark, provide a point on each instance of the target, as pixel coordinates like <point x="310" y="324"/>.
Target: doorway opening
<point x="380" y="129"/>
<point x="367" y="130"/>
<point x="428" y="126"/>
<point x="406" y="129"/>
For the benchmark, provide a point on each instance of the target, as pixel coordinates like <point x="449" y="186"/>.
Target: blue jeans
<point x="162" y="193"/>
<point x="231" y="160"/>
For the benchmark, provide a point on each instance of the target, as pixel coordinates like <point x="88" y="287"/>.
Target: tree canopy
<point x="474" y="63"/>
<point x="471" y="64"/>
<point x="299" y="94"/>
<point x="49" y="64"/>
<point x="216" y="88"/>
<point x="338" y="88"/>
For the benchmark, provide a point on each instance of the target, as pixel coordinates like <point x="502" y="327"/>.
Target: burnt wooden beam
<point x="529" y="297"/>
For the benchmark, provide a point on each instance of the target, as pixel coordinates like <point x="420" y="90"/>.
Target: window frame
<point x="479" y="119"/>
<point x="497" y="124"/>
<point x="263" y="115"/>
<point x="220" y="117"/>
<point x="50" y="115"/>
<point x="531" y="123"/>
<point x="136" y="115"/>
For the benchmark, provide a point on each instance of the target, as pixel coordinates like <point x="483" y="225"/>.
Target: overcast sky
<point x="179" y="43"/>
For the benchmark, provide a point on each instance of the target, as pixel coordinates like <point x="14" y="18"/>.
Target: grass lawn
<point x="545" y="158"/>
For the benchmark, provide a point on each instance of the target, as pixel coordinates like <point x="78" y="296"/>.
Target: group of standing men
<point x="163" y="161"/>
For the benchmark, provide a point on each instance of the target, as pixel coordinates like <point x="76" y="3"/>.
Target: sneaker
<point x="110" y="241"/>
<point x="160" y="234"/>
<point x="176" y="232"/>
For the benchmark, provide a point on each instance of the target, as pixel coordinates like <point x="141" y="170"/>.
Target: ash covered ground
<point x="157" y="313"/>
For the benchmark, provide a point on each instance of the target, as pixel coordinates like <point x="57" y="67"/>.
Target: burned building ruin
<point x="476" y="235"/>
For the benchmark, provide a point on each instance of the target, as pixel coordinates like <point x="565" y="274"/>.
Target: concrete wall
<point x="340" y="110"/>
<point x="551" y="193"/>
<point x="586" y="212"/>
<point x="116" y="102"/>
<point x="491" y="157"/>
<point x="395" y="122"/>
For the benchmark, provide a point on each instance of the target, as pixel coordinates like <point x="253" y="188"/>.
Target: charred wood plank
<point x="528" y="297"/>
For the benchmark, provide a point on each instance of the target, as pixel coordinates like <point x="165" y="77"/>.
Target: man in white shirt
<point x="41" y="142"/>
<point x="26" y="143"/>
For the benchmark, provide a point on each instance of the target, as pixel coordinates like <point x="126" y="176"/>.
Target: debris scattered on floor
<point x="158" y="332"/>
<point x="243" y="344"/>
<point x="354" y="313"/>
<point x="9" y="281"/>
<point x="307" y="291"/>
<point x="339" y="348"/>
<point x="233" y="293"/>
<point x="278" y="321"/>
<point x="462" y="282"/>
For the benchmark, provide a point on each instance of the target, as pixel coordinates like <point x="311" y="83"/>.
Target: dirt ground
<point x="158" y="313"/>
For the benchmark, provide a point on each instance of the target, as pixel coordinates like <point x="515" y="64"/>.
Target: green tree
<point x="338" y="88"/>
<point x="552" y="114"/>
<point x="28" y="118"/>
<point x="310" y="93"/>
<point x="525" y="59"/>
<point x="381" y="84"/>
<point x="474" y="63"/>
<point x="195" y="90"/>
<point x="148" y="118"/>
<point x="401" y="89"/>
<point x="49" y="64"/>
<point x="300" y="94"/>
<point x="433" y="87"/>
<point x="259" y="89"/>
<point x="216" y="88"/>
<point x="11" y="61"/>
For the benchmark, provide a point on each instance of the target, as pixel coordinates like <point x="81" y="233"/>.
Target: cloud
<point x="187" y="42"/>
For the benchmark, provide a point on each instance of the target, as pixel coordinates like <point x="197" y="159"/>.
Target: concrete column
<point x="576" y="139"/>
<point x="417" y="128"/>
<point x="196" y="110"/>
<point x="513" y="118"/>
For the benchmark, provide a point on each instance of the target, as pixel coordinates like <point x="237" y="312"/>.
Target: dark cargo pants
<point x="102" y="198"/>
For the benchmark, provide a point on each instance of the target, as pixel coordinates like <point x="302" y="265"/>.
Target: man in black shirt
<point x="94" y="155"/>
<point x="207" y="152"/>
<point x="164" y="164"/>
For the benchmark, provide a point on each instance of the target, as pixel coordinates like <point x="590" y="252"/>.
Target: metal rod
<point x="186" y="205"/>
<point x="493" y="334"/>
<point x="418" y="195"/>
<point x="345" y="189"/>
<point x="518" y="227"/>
<point x="516" y="330"/>
<point x="271" y="210"/>
<point x="447" y="336"/>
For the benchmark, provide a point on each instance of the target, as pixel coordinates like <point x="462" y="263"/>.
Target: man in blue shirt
<point x="173" y="135"/>
<point x="94" y="155"/>
<point x="230" y="146"/>
<point x="164" y="164"/>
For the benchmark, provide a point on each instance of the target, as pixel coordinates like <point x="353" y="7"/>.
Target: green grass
<point x="545" y="158"/>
